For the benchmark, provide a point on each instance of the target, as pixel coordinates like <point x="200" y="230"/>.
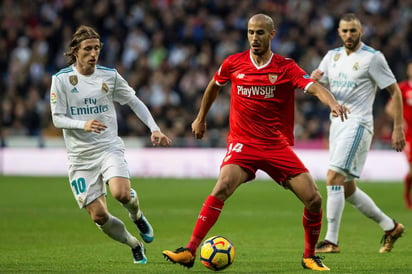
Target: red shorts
<point x="407" y="149"/>
<point x="279" y="163"/>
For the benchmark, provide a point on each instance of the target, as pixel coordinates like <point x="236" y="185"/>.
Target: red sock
<point x="407" y="190"/>
<point x="312" y="223"/>
<point x="207" y="218"/>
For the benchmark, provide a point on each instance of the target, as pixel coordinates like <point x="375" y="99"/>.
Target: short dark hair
<point x="82" y="33"/>
<point x="349" y="17"/>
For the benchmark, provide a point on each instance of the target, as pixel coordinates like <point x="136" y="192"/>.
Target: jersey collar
<point x="262" y="66"/>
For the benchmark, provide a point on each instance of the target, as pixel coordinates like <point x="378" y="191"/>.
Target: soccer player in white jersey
<point x="81" y="99"/>
<point x="353" y="73"/>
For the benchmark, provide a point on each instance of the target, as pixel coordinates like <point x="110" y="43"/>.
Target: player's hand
<point x="94" y="126"/>
<point x="398" y="139"/>
<point x="316" y="74"/>
<point x="198" y="128"/>
<point x="159" y="139"/>
<point x="341" y="111"/>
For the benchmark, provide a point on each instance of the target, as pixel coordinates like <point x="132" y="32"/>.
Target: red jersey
<point x="406" y="89"/>
<point x="262" y="98"/>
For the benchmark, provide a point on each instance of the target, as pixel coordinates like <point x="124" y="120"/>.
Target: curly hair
<point x="82" y="33"/>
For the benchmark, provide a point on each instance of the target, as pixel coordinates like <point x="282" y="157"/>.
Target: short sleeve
<point x="380" y="72"/>
<point x="222" y="75"/>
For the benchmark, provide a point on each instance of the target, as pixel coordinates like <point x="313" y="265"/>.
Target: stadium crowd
<point x="169" y="49"/>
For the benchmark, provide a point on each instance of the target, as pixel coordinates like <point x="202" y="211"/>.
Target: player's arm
<point x="395" y="110"/>
<point x="124" y="94"/>
<point x="389" y="108"/>
<point x="327" y="98"/>
<point x="209" y="96"/>
<point x="62" y="121"/>
<point x="316" y="75"/>
<point x="143" y="113"/>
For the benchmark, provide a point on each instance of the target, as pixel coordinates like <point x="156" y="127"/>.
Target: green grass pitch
<point x="43" y="231"/>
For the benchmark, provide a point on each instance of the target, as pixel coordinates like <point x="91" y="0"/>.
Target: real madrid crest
<point x="336" y="57"/>
<point x="73" y="80"/>
<point x="272" y="77"/>
<point x="105" y="88"/>
<point x="356" y="66"/>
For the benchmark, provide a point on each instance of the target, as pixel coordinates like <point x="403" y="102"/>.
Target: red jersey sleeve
<point x="222" y="75"/>
<point x="298" y="77"/>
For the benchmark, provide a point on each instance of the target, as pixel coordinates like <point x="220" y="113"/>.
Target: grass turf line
<point x="42" y="229"/>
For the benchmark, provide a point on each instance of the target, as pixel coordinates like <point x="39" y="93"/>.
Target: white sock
<point x="116" y="230"/>
<point x="367" y="206"/>
<point x="133" y="206"/>
<point x="335" y="203"/>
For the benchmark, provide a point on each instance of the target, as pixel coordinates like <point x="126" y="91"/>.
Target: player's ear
<point x="361" y="30"/>
<point x="273" y="34"/>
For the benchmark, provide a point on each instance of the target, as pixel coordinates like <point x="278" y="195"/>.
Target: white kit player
<point x="81" y="99"/>
<point x="353" y="73"/>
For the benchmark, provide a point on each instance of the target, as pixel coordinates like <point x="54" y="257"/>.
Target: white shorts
<point x="349" y="144"/>
<point x="88" y="179"/>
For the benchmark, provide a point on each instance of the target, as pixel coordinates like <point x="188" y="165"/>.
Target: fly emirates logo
<point x="90" y="107"/>
<point x="257" y="91"/>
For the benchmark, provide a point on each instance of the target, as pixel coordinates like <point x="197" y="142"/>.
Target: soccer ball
<point x="217" y="253"/>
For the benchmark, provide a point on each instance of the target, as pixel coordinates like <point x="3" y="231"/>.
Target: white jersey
<point x="353" y="79"/>
<point x="78" y="98"/>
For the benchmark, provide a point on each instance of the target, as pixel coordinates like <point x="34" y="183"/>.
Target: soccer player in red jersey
<point x="406" y="89"/>
<point x="261" y="135"/>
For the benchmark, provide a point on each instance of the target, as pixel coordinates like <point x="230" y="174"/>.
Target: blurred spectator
<point x="167" y="49"/>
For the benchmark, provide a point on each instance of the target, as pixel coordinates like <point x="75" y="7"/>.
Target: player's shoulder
<point x="365" y="49"/>
<point x="282" y="60"/>
<point x="105" y="70"/>
<point x="374" y="56"/>
<point x="64" y="71"/>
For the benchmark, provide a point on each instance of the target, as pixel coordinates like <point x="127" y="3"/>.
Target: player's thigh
<point x="230" y="177"/>
<point x="304" y="187"/>
<point x="116" y="173"/>
<point x="120" y="188"/>
<point x="86" y="183"/>
<point x="350" y="144"/>
<point x="281" y="164"/>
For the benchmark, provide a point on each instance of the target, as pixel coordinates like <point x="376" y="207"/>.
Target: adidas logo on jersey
<point x="74" y="90"/>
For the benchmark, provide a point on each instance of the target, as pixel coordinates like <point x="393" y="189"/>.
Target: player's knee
<point x="223" y="190"/>
<point x="122" y="197"/>
<point x="336" y="177"/>
<point x="314" y="204"/>
<point x="100" y="218"/>
<point x="221" y="193"/>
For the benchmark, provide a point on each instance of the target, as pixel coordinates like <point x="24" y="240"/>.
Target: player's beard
<point x="355" y="43"/>
<point x="257" y="52"/>
<point x="260" y="51"/>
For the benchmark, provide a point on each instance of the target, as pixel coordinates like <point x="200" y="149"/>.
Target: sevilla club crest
<point x="273" y="78"/>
